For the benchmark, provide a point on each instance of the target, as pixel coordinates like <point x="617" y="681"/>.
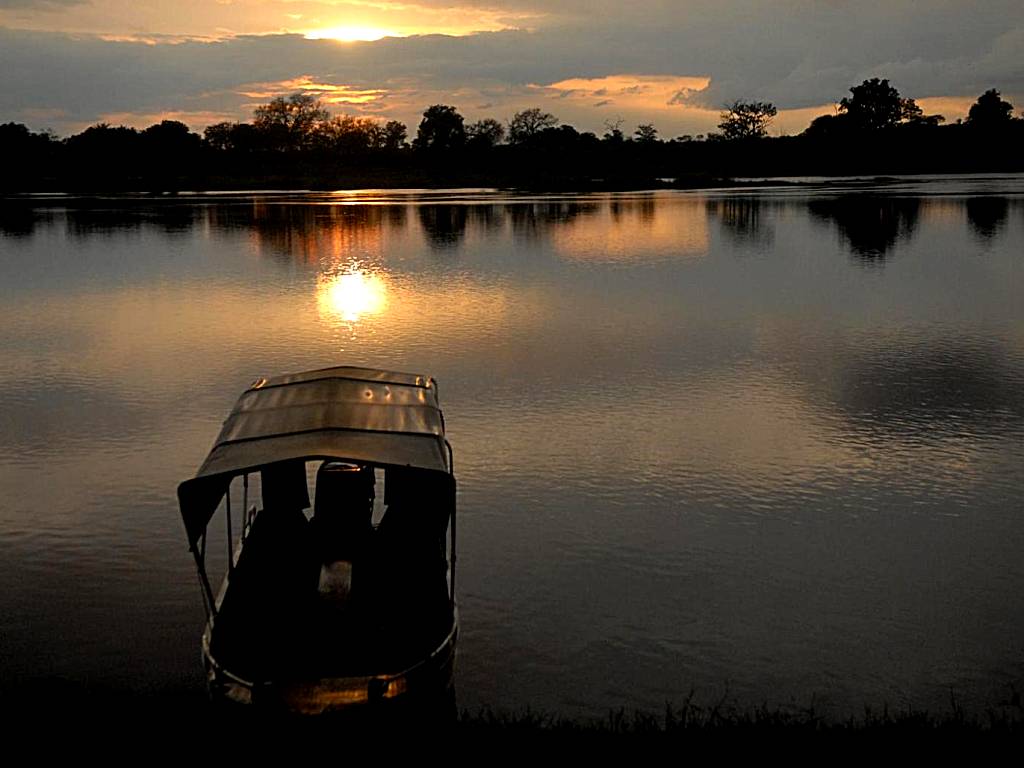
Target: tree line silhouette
<point x="295" y="142"/>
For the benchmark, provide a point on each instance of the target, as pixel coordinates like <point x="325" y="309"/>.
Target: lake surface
<point x="766" y="445"/>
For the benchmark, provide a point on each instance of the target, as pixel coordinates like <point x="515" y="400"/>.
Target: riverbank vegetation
<point x="686" y="724"/>
<point x="294" y="142"/>
<point x="719" y="719"/>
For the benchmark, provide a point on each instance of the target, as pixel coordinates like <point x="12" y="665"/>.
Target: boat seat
<point x="274" y="581"/>
<point x="409" y="565"/>
<point x="418" y="509"/>
<point x="343" y="510"/>
<point x="284" y="485"/>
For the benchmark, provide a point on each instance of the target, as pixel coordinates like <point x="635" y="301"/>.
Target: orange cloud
<point x="329" y="93"/>
<point x="633" y="99"/>
<point x="347" y="20"/>
<point x="633" y="92"/>
<point x="368" y="21"/>
<point x="950" y="107"/>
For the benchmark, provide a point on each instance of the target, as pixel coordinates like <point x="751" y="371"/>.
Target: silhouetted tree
<point x="290" y="123"/>
<point x="218" y="136"/>
<point x="746" y="120"/>
<point x="646" y="133"/>
<point x="876" y="104"/>
<point x="913" y="115"/>
<point x="484" y="134"/>
<point x="106" y="155"/>
<point x="561" y="140"/>
<point x="294" y="139"/>
<point x="526" y="124"/>
<point x="347" y="135"/>
<point x="990" y="110"/>
<point x="826" y="126"/>
<point x="102" y="143"/>
<point x="393" y="135"/>
<point x="169" y="152"/>
<point x="17" y="140"/>
<point x="170" y="138"/>
<point x="233" y="137"/>
<point x="441" y="129"/>
<point x="613" y="131"/>
<point x="26" y="157"/>
<point x="14" y="134"/>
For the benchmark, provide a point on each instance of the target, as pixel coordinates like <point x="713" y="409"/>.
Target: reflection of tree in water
<point x="740" y="218"/>
<point x="287" y="232"/>
<point x="870" y="225"/>
<point x="18" y="220"/>
<point x="643" y="208"/>
<point x="172" y="219"/>
<point x="959" y="384"/>
<point x="444" y="225"/>
<point x="534" y="222"/>
<point x="487" y="219"/>
<point x="312" y="234"/>
<point x="395" y="216"/>
<point x="987" y="215"/>
<point x="85" y="217"/>
<point x="90" y="222"/>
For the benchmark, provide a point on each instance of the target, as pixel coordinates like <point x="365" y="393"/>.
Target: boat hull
<point x="429" y="679"/>
<point x="427" y="682"/>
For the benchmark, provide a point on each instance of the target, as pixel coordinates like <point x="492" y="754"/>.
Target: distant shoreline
<point x="295" y="143"/>
<point x="596" y="186"/>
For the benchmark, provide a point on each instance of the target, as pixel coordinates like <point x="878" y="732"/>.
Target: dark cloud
<point x="796" y="53"/>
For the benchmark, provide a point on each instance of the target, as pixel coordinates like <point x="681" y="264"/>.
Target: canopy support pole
<point x="452" y="584"/>
<point x="199" y="554"/>
<point x="227" y="516"/>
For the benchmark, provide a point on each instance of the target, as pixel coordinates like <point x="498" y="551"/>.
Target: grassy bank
<point x="76" y="704"/>
<point x="690" y="720"/>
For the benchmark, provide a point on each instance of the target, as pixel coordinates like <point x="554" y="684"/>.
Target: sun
<point x="351" y="34"/>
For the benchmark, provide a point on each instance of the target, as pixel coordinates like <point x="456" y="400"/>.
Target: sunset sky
<point x="66" y="64"/>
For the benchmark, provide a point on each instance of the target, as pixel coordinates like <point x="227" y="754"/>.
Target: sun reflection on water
<point x="351" y="296"/>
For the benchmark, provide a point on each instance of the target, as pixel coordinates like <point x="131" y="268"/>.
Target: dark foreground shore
<point x="79" y="708"/>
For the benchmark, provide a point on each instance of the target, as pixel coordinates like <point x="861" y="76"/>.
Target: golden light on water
<point x="635" y="231"/>
<point x="351" y="296"/>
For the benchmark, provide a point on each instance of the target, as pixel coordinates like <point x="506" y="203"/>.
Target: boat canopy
<point x="363" y="415"/>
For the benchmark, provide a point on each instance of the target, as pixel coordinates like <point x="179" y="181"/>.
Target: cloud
<point x="41" y="5"/>
<point x="328" y="93"/>
<point x="799" y="54"/>
<point x="341" y="19"/>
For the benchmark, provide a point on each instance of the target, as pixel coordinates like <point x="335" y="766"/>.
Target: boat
<point x="346" y="601"/>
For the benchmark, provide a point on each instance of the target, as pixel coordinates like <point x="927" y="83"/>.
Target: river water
<point x="758" y="445"/>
